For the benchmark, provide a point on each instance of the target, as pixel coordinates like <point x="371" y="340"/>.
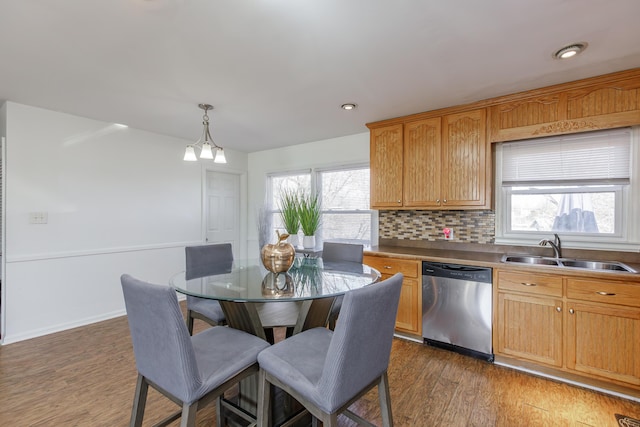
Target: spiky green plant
<point x="309" y="212"/>
<point x="289" y="208"/>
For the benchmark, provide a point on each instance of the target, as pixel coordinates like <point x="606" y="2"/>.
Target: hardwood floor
<point x="86" y="377"/>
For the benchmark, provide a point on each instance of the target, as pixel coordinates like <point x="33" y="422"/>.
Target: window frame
<point x="372" y="212"/>
<point x="626" y="237"/>
<point x="315" y="188"/>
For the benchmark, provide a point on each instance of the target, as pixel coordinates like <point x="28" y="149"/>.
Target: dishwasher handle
<point x="457" y="271"/>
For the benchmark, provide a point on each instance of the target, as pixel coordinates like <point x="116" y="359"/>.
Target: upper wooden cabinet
<point x="435" y="163"/>
<point x="386" y="167"/>
<point x="601" y="103"/>
<point x="422" y="163"/>
<point x="464" y="159"/>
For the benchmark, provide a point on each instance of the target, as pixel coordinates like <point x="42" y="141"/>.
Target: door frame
<point x="243" y="197"/>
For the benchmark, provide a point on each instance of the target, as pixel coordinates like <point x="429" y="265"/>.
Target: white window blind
<point x="602" y="156"/>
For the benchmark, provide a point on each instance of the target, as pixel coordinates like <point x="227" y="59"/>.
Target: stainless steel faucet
<point x="556" y="245"/>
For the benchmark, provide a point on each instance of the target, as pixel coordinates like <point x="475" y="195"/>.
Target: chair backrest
<point x="342" y="252"/>
<point x="204" y="260"/>
<point x="360" y="347"/>
<point x="161" y="342"/>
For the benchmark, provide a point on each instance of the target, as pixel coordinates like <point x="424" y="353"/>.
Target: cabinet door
<point x="604" y="340"/>
<point x="386" y="167"/>
<point x="464" y="160"/>
<point x="530" y="328"/>
<point x="422" y="163"/>
<point x="409" y="315"/>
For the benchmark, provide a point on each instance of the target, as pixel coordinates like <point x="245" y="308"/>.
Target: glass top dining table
<point x="256" y="300"/>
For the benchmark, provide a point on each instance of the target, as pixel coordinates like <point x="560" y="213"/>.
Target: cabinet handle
<point x="606" y="294"/>
<point x="558" y="309"/>
<point x="399" y="201"/>
<point x="445" y="200"/>
<point x="528" y="284"/>
<point x="438" y="201"/>
<point x="571" y="311"/>
<point x="387" y="267"/>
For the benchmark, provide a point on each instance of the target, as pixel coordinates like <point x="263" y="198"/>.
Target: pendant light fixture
<point x="205" y="143"/>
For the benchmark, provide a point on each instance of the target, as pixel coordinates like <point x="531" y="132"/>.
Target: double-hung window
<point x="346" y="212"/>
<point x="277" y="184"/>
<point x="579" y="186"/>
<point x="344" y="196"/>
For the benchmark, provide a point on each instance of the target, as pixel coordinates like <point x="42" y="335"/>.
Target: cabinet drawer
<point x="605" y="291"/>
<point x="539" y="284"/>
<point x="391" y="266"/>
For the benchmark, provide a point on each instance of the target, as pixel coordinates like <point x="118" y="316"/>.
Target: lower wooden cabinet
<point x="409" y="317"/>
<point x="580" y="325"/>
<point x="604" y="341"/>
<point x="530" y="327"/>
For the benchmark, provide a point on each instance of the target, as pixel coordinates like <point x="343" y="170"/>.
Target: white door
<point x="222" y="208"/>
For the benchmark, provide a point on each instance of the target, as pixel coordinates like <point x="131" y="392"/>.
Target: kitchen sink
<point x="597" y="265"/>
<point x="570" y="263"/>
<point x="529" y="260"/>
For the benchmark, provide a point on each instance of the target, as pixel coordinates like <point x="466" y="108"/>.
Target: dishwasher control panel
<point x="457" y="271"/>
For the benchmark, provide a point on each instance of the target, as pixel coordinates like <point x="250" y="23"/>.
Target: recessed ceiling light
<point x="349" y="106"/>
<point x="570" y="51"/>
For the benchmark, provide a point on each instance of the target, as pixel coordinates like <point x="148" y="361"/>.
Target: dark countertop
<point x="485" y="259"/>
<point x="491" y="255"/>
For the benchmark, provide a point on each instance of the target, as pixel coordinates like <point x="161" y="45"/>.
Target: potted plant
<point x="289" y="214"/>
<point x="309" y="214"/>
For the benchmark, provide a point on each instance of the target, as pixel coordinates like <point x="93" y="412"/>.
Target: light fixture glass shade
<point x="190" y="154"/>
<point x="220" y="158"/>
<point x="206" y="152"/>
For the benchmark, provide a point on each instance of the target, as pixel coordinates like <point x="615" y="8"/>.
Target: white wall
<point x="118" y="200"/>
<point x="345" y="150"/>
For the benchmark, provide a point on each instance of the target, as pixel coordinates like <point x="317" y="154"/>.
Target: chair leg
<point x="189" y="322"/>
<point x="219" y="412"/>
<point x="331" y="420"/>
<point x="385" y="400"/>
<point x="264" y="400"/>
<point x="139" y="401"/>
<point x="189" y="414"/>
<point x="332" y="322"/>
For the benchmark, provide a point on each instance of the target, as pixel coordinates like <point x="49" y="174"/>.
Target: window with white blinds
<point x="601" y="157"/>
<point x="580" y="186"/>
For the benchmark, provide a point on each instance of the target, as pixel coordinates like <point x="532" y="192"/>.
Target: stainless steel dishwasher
<point x="457" y="307"/>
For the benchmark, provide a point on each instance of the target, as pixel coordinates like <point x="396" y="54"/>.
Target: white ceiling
<point x="277" y="71"/>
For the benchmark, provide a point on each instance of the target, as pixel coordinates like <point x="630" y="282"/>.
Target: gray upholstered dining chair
<point x="201" y="261"/>
<point x="327" y="371"/>
<point x="189" y="370"/>
<point x="340" y="252"/>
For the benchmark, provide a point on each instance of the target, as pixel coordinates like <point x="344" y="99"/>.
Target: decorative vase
<point x="278" y="258"/>
<point x="309" y="242"/>
<point x="277" y="285"/>
<point x="294" y="240"/>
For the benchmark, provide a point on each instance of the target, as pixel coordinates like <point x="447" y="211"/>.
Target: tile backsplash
<point x="468" y="226"/>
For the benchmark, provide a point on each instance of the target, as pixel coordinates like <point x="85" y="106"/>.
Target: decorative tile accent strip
<point x="468" y="226"/>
